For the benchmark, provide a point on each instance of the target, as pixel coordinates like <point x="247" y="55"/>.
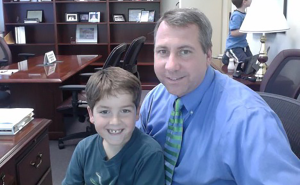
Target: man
<point x="229" y="134"/>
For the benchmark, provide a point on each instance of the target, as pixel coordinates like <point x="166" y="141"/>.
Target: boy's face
<point x="247" y="3"/>
<point x="114" y="119"/>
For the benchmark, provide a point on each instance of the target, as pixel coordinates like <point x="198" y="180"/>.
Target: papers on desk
<point x="8" y="71"/>
<point x="14" y="119"/>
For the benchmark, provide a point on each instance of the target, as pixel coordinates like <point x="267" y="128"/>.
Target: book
<point x="31" y="20"/>
<point x="12" y="120"/>
<point x="22" y="36"/>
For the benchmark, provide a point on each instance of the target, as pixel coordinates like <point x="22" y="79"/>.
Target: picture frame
<point x="134" y="15"/>
<point x="71" y="17"/>
<point x="94" y="16"/>
<point x="35" y="14"/>
<point x="118" y="18"/>
<point x="86" y="33"/>
<point x="151" y="17"/>
<point x="144" y="16"/>
<point x="84" y="17"/>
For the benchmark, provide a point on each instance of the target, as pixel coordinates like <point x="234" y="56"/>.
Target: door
<point x="217" y="12"/>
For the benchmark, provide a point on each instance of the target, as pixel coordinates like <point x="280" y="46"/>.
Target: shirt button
<point x="191" y="112"/>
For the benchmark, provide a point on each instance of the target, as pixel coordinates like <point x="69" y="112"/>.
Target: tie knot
<point x="178" y="105"/>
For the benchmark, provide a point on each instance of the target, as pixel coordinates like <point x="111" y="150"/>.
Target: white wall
<point x="1" y="18"/>
<point x="279" y="41"/>
<point x="166" y="5"/>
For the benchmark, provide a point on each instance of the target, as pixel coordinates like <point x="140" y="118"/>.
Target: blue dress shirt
<point x="231" y="136"/>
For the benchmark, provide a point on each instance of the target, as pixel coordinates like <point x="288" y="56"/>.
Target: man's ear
<point x="90" y="111"/>
<point x="208" y="57"/>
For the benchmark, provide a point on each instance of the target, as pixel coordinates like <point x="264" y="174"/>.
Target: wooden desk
<point x="25" y="157"/>
<point x="35" y="87"/>
<point x="218" y="65"/>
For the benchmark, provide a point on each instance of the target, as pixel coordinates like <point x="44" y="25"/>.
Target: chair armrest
<point x="26" y="55"/>
<point x="76" y="89"/>
<point x="72" y="87"/>
<point x="86" y="74"/>
<point x="97" y="68"/>
<point x="3" y="62"/>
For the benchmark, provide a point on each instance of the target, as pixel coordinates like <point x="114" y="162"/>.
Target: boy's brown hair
<point x="110" y="82"/>
<point x="237" y="3"/>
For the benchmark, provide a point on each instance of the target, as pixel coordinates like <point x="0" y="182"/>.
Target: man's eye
<point x="161" y="52"/>
<point x="184" y="52"/>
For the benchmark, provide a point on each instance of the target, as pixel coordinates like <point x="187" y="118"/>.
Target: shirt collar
<point x="193" y="99"/>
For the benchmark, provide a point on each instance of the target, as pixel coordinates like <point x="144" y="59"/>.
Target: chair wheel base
<point x="61" y="144"/>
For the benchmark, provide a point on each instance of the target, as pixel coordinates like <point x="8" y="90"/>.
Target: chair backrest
<point x="115" y="55"/>
<point x="288" y="110"/>
<point x="6" y="52"/>
<point x="130" y="58"/>
<point x="282" y="76"/>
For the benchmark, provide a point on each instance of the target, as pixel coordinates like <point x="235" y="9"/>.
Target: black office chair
<point x="76" y="104"/>
<point x="288" y="110"/>
<point x="282" y="76"/>
<point x="6" y="59"/>
<point x="130" y="58"/>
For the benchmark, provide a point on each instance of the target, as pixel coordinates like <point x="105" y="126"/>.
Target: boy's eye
<point x="104" y="112"/>
<point x="126" y="111"/>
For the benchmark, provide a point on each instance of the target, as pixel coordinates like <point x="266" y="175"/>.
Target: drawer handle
<point x="38" y="161"/>
<point x="3" y="179"/>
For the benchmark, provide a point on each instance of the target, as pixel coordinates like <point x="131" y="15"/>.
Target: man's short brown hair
<point x="110" y="82"/>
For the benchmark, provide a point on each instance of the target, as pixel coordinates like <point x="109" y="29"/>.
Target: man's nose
<point x="172" y="63"/>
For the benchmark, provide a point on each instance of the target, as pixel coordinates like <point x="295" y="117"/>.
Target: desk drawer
<point x="35" y="164"/>
<point x="7" y="174"/>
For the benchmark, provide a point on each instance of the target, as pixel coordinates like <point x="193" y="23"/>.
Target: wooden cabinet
<point x="54" y="33"/>
<point x="25" y="157"/>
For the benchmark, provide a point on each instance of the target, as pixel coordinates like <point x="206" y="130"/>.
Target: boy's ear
<point x="90" y="111"/>
<point x="138" y="112"/>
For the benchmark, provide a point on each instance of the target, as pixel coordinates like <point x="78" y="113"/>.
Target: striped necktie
<point x="173" y="141"/>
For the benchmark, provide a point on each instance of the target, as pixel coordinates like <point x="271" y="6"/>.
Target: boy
<point x="236" y="43"/>
<point x="119" y="153"/>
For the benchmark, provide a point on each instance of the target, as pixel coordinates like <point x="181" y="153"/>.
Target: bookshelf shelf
<point x="54" y="33"/>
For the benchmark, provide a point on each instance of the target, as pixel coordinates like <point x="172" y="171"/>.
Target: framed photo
<point x="94" y="16"/>
<point x="151" y="16"/>
<point x="86" y="33"/>
<point x="134" y="15"/>
<point x="35" y="14"/>
<point x="84" y="17"/>
<point x="144" y="16"/>
<point x="118" y="18"/>
<point x="71" y="17"/>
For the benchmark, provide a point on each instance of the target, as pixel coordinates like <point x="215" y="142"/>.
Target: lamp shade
<point x="261" y="17"/>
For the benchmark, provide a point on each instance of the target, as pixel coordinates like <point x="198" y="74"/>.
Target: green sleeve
<point x="151" y="170"/>
<point x="74" y="174"/>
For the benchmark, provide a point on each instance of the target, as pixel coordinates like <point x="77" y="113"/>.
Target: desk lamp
<point x="263" y="18"/>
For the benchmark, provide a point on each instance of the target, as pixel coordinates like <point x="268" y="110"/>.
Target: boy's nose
<point x="115" y="120"/>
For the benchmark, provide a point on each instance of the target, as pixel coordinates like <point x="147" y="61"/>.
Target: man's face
<point x="179" y="61"/>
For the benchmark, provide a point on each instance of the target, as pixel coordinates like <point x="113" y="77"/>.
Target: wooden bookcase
<point x="54" y="33"/>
